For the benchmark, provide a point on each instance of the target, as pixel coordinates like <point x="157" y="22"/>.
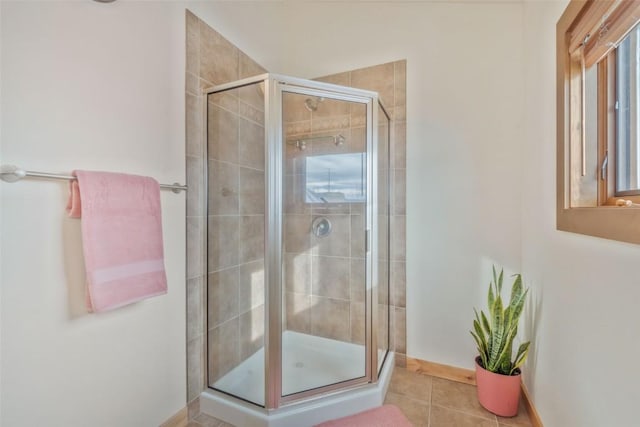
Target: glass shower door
<point x="236" y="238"/>
<point x="325" y="200"/>
<point x="297" y="285"/>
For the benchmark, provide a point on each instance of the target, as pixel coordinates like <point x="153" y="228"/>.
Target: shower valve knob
<point x="321" y="227"/>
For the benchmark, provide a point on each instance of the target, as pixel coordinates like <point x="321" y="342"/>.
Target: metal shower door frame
<point x="278" y="85"/>
<point x="274" y="87"/>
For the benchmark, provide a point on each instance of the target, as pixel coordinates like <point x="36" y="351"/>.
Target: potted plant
<point x="497" y="372"/>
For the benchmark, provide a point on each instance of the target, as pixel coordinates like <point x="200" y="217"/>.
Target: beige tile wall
<point x="236" y="193"/>
<point x="389" y="80"/>
<point x="324" y="277"/>
<point x="236" y="292"/>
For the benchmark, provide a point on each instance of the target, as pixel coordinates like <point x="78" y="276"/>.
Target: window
<point x="627" y="121"/>
<point x="598" y="171"/>
<point x="336" y="178"/>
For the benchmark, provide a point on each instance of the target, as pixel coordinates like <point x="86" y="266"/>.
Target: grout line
<point x="409" y="398"/>
<point x="226" y="162"/>
<point x="467" y="413"/>
<point x="233" y="266"/>
<point x="237" y="113"/>
<point x="332" y="256"/>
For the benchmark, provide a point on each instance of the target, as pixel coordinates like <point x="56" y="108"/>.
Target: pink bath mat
<point x="384" y="416"/>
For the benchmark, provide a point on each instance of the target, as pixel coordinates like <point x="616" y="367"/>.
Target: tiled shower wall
<point x="324" y="276"/>
<point x="211" y="60"/>
<point x="390" y="81"/>
<point x="236" y="192"/>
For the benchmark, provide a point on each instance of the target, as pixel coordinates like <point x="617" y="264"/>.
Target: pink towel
<point x="121" y="237"/>
<point x="73" y="205"/>
<point x="383" y="416"/>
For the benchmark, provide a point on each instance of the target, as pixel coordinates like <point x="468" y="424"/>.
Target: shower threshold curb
<point x="301" y="414"/>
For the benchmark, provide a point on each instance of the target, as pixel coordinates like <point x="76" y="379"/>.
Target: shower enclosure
<point x="297" y="239"/>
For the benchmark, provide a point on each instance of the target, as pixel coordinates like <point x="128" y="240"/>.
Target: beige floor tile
<point x="427" y="402"/>
<point x="443" y="417"/>
<point x="416" y="411"/>
<point x="410" y="384"/>
<point x="207" y="421"/>
<point x="458" y="396"/>
<point x="520" y="420"/>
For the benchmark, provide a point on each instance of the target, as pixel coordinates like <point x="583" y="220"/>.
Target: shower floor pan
<point x="308" y="362"/>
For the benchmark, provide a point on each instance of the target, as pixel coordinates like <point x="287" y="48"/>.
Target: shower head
<point x="312" y="103"/>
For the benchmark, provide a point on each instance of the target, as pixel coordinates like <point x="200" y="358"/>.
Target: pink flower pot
<point x="499" y="394"/>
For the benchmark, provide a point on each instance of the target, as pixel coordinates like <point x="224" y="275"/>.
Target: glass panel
<point x="324" y="287"/>
<point x="384" y="176"/>
<point x="628" y="114"/>
<point x="236" y="207"/>
<point x="584" y="188"/>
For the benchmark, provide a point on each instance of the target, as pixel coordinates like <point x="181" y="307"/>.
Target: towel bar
<point x="11" y="173"/>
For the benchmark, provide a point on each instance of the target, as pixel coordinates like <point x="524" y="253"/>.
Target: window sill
<point x="607" y="222"/>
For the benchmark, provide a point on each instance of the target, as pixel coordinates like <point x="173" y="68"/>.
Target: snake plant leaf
<point x="491" y="297"/>
<point x="521" y="357"/>
<point x="523" y="350"/>
<point x="477" y="319"/>
<point x="516" y="290"/>
<point x="481" y="349"/>
<point x="487" y="328"/>
<point x="508" y="317"/>
<point x="478" y="331"/>
<point x="497" y="326"/>
<point x="485" y="323"/>
<point x="505" y="366"/>
<point x="478" y="341"/>
<point x="499" y="284"/>
<point x="519" y="304"/>
<point x="503" y="363"/>
<point x="495" y="277"/>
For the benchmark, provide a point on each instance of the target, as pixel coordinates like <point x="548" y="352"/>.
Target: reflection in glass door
<point x="324" y="196"/>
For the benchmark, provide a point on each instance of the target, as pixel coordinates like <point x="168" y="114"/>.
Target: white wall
<point x="464" y="131"/>
<point x="91" y="86"/>
<point x="583" y="372"/>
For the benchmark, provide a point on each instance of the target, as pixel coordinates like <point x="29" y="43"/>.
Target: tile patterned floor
<point x="427" y="402"/>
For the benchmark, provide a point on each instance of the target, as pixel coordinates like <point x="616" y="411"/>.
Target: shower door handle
<point x="367" y="240"/>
